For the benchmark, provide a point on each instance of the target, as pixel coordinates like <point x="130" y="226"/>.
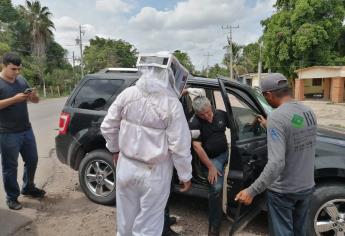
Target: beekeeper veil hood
<point x="161" y="73"/>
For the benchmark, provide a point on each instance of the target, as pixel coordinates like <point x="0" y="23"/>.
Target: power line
<point x="230" y="27"/>
<point x="208" y="55"/>
<point x="260" y="60"/>
<point x="79" y="42"/>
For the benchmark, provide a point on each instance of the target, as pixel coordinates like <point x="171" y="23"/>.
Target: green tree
<point x="240" y="62"/>
<point x="237" y="52"/>
<point x="216" y="71"/>
<point x="4" y="48"/>
<point x="104" y="53"/>
<point x="56" y="57"/>
<point x="60" y="77"/>
<point x="7" y="12"/>
<point x="184" y="59"/>
<point x="40" y="26"/>
<point x="29" y="70"/>
<point x="19" y="36"/>
<point x="304" y="33"/>
<point x="8" y="16"/>
<point x="252" y="53"/>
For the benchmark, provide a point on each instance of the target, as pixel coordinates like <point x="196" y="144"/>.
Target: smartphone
<point x="28" y="90"/>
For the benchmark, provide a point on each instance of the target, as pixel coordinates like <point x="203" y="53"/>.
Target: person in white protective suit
<point x="147" y="132"/>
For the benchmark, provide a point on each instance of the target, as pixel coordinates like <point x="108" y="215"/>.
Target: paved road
<point x="44" y="119"/>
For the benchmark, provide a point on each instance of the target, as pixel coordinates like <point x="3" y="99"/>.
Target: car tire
<point x="97" y="177"/>
<point x="331" y="195"/>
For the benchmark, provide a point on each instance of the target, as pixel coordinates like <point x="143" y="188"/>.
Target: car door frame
<point x="242" y="215"/>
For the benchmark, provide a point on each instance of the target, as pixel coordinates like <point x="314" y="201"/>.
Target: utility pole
<point x="79" y="42"/>
<point x="230" y="27"/>
<point x="208" y="55"/>
<point x="73" y="60"/>
<point x="260" y="60"/>
<point x="73" y="63"/>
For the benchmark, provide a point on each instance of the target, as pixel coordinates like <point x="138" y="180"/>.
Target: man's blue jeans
<point x="11" y="144"/>
<point x="288" y="213"/>
<point x="215" y="192"/>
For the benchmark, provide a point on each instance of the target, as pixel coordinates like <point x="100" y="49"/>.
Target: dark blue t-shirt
<point x="14" y="118"/>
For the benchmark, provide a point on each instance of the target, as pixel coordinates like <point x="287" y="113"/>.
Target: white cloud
<point x="192" y="14"/>
<point x="194" y="26"/>
<point x="65" y="23"/>
<point x="67" y="31"/>
<point x="89" y="30"/>
<point x="114" y="6"/>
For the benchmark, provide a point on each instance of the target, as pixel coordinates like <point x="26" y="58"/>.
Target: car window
<point x="219" y="105"/>
<point x="268" y="109"/>
<point x="244" y="116"/>
<point x="95" y="93"/>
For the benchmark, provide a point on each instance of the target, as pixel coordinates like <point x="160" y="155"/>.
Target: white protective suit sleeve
<point x="179" y="141"/>
<point x="110" y="126"/>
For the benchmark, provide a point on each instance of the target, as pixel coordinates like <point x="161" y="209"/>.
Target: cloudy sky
<point x="192" y="26"/>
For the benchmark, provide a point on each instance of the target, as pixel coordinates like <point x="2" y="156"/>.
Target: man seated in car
<point x="209" y="142"/>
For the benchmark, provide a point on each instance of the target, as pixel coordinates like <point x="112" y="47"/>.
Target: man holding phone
<point x="16" y="135"/>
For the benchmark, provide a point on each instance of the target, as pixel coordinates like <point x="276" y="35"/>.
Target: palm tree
<point x="41" y="26"/>
<point x="241" y="64"/>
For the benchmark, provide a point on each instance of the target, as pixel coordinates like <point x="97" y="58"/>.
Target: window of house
<point x="317" y="82"/>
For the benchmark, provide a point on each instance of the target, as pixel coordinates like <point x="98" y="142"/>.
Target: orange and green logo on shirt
<point x="297" y="121"/>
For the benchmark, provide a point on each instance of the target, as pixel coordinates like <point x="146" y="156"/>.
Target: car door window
<point x="219" y="105"/>
<point x="95" y="93"/>
<point x="245" y="118"/>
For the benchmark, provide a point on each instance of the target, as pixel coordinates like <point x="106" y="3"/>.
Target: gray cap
<point x="273" y="81"/>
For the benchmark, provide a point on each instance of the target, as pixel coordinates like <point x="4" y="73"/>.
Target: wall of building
<point x="337" y="89"/>
<point x="321" y="72"/>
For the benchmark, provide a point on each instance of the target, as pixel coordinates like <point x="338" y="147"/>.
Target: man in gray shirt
<point x="289" y="172"/>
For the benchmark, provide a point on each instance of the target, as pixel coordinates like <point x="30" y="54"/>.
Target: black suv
<point x="81" y="146"/>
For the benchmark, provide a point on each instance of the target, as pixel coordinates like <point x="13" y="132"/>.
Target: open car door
<point x="248" y="155"/>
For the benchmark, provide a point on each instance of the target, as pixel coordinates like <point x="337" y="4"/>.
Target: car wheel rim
<point x="100" y="178"/>
<point x="330" y="218"/>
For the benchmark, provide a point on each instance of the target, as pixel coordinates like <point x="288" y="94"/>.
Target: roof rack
<point x="119" y="70"/>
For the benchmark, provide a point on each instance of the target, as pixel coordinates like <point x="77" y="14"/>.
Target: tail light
<point x="64" y="122"/>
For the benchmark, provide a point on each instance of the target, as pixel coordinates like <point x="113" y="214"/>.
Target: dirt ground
<point x="66" y="211"/>
<point x="330" y="115"/>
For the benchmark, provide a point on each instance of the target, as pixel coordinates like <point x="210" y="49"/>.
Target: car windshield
<point x="262" y="100"/>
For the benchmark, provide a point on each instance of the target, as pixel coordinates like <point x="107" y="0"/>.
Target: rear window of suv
<point x="95" y="93"/>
